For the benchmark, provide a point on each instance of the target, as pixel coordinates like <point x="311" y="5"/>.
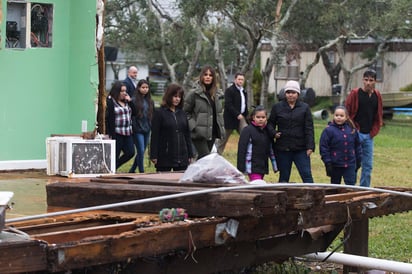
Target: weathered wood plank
<point x="346" y="196"/>
<point x="266" y="217"/>
<point x="66" y="225"/>
<point x="158" y="181"/>
<point x="298" y="198"/>
<point x="153" y="177"/>
<point x="150" y="241"/>
<point x="368" y="206"/>
<point x="331" y="213"/>
<point x="385" y="205"/>
<point x="19" y="255"/>
<point x="88" y="219"/>
<point x="214" y="204"/>
<point x="85" y="233"/>
<point x="357" y="243"/>
<point x="162" y="240"/>
<point x="302" y="197"/>
<point x="229" y="257"/>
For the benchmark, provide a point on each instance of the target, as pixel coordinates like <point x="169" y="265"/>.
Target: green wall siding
<point x="48" y="90"/>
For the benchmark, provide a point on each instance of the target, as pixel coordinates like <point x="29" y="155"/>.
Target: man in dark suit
<point x="131" y="80"/>
<point x="235" y="110"/>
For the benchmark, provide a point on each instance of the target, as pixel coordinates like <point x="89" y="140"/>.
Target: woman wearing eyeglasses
<point x="204" y="111"/>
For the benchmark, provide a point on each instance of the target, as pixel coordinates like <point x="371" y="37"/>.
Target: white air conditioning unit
<point x="77" y="157"/>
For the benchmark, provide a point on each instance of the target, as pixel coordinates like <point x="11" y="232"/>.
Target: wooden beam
<point x="85" y="233"/>
<point x="231" y="257"/>
<point x="357" y="243"/>
<point x="298" y="198"/>
<point x="214" y="204"/>
<point x="150" y="241"/>
<point x="20" y="255"/>
<point x="155" y="241"/>
<point x="347" y="196"/>
<point x="121" y="241"/>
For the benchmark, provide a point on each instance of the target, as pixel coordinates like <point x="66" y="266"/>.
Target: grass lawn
<point x="390" y="237"/>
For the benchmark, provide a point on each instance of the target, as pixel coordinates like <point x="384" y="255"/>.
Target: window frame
<point x="23" y="37"/>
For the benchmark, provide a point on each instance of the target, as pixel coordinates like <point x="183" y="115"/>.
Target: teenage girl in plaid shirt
<point x="119" y="114"/>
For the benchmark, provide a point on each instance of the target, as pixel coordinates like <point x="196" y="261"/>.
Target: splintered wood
<point x="224" y="230"/>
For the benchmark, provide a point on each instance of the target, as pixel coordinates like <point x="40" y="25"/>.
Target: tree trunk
<point x="332" y="70"/>
<point x="220" y="63"/>
<point x="115" y="69"/>
<point x="266" y="72"/>
<point x="187" y="81"/>
<point x="274" y="53"/>
<point x="248" y="67"/>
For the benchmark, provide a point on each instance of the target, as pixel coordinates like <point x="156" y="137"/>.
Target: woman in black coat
<point x="291" y="123"/>
<point x="170" y="145"/>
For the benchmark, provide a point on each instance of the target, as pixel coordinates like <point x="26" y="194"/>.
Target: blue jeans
<point x="141" y="141"/>
<point x="123" y="144"/>
<point x="348" y="174"/>
<point x="367" y="159"/>
<point x="285" y="159"/>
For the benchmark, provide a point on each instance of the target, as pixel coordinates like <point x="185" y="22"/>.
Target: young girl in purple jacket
<point x="340" y="148"/>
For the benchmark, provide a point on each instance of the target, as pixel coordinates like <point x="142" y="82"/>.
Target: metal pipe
<point x="361" y="262"/>
<point x="199" y="192"/>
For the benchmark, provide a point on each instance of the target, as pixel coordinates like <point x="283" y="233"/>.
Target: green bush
<point x="406" y="88"/>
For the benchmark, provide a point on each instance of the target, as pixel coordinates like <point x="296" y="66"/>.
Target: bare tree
<point x="340" y="23"/>
<point x="161" y="16"/>
<point x="275" y="40"/>
<point x="252" y="19"/>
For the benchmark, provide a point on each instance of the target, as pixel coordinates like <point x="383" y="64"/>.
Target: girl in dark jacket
<point x="340" y="148"/>
<point x="170" y="145"/>
<point x="255" y="147"/>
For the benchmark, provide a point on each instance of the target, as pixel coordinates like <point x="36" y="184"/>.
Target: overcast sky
<point x="169" y="6"/>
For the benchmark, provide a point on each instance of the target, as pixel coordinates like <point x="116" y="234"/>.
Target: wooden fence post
<point x="357" y="244"/>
